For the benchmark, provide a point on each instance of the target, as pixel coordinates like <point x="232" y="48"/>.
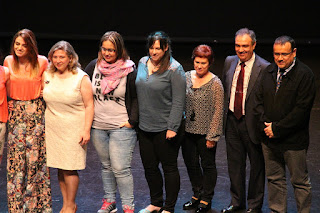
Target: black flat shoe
<point x="231" y="209"/>
<point x="254" y="210"/>
<point x="203" y="208"/>
<point x="162" y="210"/>
<point x="193" y="204"/>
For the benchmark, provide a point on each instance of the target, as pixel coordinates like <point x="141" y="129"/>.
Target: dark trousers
<point x="239" y="146"/>
<point x="203" y="178"/>
<point x="155" y="149"/>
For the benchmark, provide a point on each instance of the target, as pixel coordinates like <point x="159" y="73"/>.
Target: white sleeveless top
<point x="64" y="121"/>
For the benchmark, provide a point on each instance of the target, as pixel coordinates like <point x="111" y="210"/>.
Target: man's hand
<point x="268" y="130"/>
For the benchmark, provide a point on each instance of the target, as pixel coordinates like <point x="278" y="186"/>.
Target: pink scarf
<point x="113" y="73"/>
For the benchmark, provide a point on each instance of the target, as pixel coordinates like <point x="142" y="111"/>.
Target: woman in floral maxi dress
<point x="28" y="181"/>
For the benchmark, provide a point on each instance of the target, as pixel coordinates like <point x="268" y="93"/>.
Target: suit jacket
<point x="227" y="76"/>
<point x="288" y="109"/>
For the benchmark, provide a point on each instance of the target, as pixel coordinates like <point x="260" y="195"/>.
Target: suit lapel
<point x="231" y="71"/>
<point x="254" y="75"/>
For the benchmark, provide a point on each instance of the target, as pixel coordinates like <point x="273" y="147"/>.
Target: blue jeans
<point x="115" y="149"/>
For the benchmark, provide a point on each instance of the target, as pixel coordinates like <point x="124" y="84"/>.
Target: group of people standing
<point x="50" y="115"/>
<point x="55" y="109"/>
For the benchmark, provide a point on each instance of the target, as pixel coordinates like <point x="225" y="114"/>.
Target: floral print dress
<point x="28" y="180"/>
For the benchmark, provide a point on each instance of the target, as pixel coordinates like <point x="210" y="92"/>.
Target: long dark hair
<point x="32" y="50"/>
<point x="165" y="42"/>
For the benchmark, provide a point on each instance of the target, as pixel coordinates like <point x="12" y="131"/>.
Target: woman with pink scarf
<point x="115" y="116"/>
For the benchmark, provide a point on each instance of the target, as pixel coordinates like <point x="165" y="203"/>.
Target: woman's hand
<point x="85" y="138"/>
<point x="126" y="124"/>
<point x="10" y="106"/>
<point x="170" y="134"/>
<point x="210" y="144"/>
<point x="41" y="93"/>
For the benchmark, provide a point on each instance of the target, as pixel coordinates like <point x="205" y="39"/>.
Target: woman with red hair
<point x="204" y="112"/>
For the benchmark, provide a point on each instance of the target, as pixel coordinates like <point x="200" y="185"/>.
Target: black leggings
<point x="155" y="149"/>
<point x="203" y="178"/>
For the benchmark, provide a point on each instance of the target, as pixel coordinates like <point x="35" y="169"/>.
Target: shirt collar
<point x="250" y="62"/>
<point x="289" y="68"/>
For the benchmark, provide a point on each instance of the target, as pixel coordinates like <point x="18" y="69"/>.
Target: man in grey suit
<point x="241" y="77"/>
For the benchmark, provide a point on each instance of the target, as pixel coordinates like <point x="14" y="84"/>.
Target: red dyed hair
<point x="203" y="51"/>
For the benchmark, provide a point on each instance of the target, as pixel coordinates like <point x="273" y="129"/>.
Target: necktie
<point x="279" y="80"/>
<point x="239" y="93"/>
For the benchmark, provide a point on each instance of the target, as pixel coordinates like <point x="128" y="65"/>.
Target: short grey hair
<point x="246" y="31"/>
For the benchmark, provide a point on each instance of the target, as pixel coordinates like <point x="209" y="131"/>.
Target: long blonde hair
<point x="32" y="51"/>
<point x="65" y="46"/>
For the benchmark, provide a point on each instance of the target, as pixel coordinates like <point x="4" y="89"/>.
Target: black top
<point x="288" y="109"/>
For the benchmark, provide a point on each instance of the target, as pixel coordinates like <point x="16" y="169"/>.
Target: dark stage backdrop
<point x="197" y="20"/>
<point x="188" y="23"/>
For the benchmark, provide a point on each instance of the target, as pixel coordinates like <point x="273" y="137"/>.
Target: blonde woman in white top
<point x="69" y="114"/>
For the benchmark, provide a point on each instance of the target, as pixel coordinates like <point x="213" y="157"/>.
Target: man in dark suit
<point x="284" y="102"/>
<point x="241" y="76"/>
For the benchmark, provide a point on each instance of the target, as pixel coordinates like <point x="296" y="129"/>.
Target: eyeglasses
<point x="282" y="54"/>
<point x="108" y="50"/>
